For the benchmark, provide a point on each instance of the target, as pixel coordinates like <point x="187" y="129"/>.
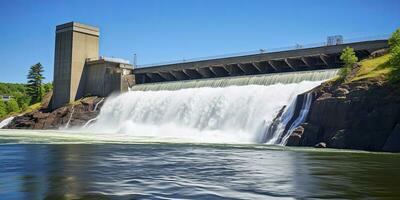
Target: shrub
<point x="3" y="109"/>
<point x="394" y="46"/>
<point x="349" y="58"/>
<point x="12" y="106"/>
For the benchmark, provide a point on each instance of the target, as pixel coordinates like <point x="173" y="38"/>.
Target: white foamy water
<point x="218" y="110"/>
<point x="234" y="114"/>
<point x="6" y="121"/>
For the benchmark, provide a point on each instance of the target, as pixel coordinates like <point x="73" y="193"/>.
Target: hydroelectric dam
<point x="256" y="97"/>
<point x="291" y="59"/>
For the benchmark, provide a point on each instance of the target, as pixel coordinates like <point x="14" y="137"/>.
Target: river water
<point x="64" y="165"/>
<point x="199" y="139"/>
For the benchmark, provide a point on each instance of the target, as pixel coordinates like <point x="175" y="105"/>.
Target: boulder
<point x="379" y="53"/>
<point x="320" y="145"/>
<point x="341" y="92"/>
<point x="338" y="140"/>
<point x="296" y="137"/>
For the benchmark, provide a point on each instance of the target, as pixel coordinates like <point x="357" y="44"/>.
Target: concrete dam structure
<point x="79" y="71"/>
<point x="257" y="97"/>
<point x="301" y="59"/>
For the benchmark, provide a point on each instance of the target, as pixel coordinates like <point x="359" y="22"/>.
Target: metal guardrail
<point x="260" y="51"/>
<point x="111" y="59"/>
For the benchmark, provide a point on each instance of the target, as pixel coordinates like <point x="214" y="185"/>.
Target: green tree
<point x="394" y="47"/>
<point x="34" y="87"/>
<point x="12" y="106"/>
<point x="394" y="40"/>
<point x="47" y="87"/>
<point x="23" y="102"/>
<point x="349" y="58"/>
<point x="3" y="109"/>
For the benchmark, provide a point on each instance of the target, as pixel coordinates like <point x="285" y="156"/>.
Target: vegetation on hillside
<point x="24" y="97"/>
<point x="394" y="45"/>
<point x="19" y="99"/>
<point x="349" y="58"/>
<point x="385" y="67"/>
<point x="394" y="59"/>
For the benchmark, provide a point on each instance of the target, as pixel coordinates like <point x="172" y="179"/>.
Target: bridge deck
<point x="323" y="57"/>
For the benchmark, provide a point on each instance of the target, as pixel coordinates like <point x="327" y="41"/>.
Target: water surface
<point x="75" y="169"/>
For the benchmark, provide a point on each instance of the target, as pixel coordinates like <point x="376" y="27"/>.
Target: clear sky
<point x="164" y="30"/>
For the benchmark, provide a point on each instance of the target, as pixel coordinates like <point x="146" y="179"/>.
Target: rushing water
<point x="81" y="167"/>
<point x="218" y="110"/>
<point x="6" y="121"/>
<point x="264" y="79"/>
<point x="224" y="115"/>
<point x="198" y="139"/>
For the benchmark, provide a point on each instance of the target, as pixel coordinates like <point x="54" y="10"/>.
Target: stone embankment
<point x="71" y="115"/>
<point x="362" y="115"/>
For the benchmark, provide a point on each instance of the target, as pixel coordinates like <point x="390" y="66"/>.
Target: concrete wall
<point x="104" y="78"/>
<point x="62" y="69"/>
<point x="95" y="80"/>
<point x="84" y="46"/>
<point x="74" y="43"/>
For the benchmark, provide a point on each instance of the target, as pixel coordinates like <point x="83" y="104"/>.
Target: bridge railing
<point x="111" y="59"/>
<point x="268" y="50"/>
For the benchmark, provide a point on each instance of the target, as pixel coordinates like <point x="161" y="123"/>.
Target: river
<point x="65" y="165"/>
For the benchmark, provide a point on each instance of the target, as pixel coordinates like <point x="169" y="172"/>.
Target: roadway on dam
<point x="264" y="62"/>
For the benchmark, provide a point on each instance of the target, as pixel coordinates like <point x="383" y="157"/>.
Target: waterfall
<point x="89" y="122"/>
<point x="97" y="104"/>
<point x="256" y="109"/>
<point x="283" y="125"/>
<point x="70" y="117"/>
<point x="6" y="121"/>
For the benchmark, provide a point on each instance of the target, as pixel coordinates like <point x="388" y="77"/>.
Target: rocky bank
<point x="362" y="115"/>
<point x="74" y="114"/>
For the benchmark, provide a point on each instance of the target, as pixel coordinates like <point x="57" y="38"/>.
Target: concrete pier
<point x="79" y="71"/>
<point x="74" y="43"/>
<point x="304" y="59"/>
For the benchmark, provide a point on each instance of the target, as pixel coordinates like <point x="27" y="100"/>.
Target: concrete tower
<point x="74" y="43"/>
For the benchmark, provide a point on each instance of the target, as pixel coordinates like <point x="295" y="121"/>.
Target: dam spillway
<point x="309" y="58"/>
<point x="219" y="110"/>
<point x="263" y="79"/>
<point x="254" y="98"/>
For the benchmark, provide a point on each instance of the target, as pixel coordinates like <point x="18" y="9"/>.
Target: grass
<point x="79" y="101"/>
<point x="32" y="107"/>
<point x="374" y="68"/>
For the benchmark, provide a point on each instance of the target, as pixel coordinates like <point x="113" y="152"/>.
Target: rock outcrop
<point x="75" y="114"/>
<point x="361" y="115"/>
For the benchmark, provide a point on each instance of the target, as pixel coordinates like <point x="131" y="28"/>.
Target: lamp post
<point x="134" y="60"/>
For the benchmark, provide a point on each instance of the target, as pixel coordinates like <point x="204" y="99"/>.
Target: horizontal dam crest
<point x="264" y="79"/>
<point x="263" y="62"/>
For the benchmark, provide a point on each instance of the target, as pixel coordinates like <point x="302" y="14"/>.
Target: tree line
<point x="24" y="95"/>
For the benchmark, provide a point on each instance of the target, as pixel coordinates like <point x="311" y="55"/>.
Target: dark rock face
<point x="393" y="142"/>
<point x="78" y="114"/>
<point x="361" y="115"/>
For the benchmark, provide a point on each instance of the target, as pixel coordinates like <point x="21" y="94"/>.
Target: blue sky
<point x="164" y="30"/>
